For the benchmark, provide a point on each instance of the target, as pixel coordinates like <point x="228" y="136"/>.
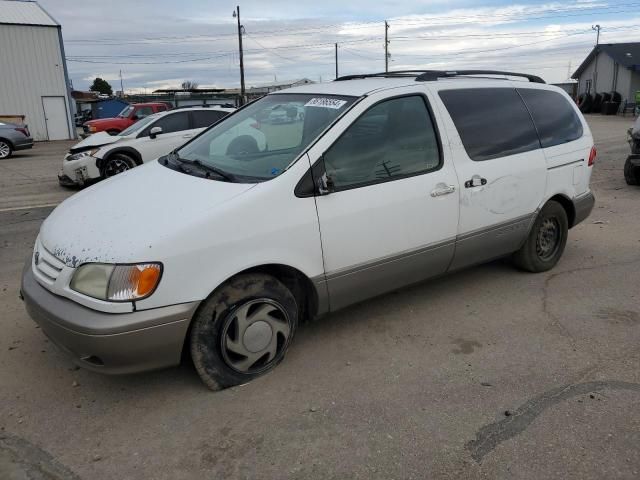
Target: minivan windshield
<point x="260" y="141"/>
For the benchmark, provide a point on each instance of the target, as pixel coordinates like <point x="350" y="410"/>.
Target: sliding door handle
<point x="442" y="189"/>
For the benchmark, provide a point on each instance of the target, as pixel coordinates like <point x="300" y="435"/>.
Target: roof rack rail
<point x="429" y="75"/>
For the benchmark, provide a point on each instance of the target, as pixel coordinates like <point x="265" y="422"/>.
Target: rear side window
<point x="205" y="118"/>
<point x="393" y="139"/>
<point x="492" y="122"/>
<point x="555" y="119"/>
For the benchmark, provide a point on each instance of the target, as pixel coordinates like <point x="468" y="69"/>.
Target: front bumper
<point x="109" y="342"/>
<point x="78" y="172"/>
<point x="582" y="206"/>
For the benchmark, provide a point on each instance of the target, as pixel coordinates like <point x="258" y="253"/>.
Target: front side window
<point x="492" y="122"/>
<point x="173" y="122"/>
<point x="393" y="139"/>
<point x="138" y="126"/>
<point x="126" y="111"/>
<point x="555" y="119"/>
<point x="259" y="142"/>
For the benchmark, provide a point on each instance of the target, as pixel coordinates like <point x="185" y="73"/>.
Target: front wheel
<point x="116" y="164"/>
<point x="243" y="330"/>
<point x="546" y="241"/>
<point x="631" y="172"/>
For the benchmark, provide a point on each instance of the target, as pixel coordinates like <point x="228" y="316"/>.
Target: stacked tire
<point x="585" y="102"/>
<point x="611" y="106"/>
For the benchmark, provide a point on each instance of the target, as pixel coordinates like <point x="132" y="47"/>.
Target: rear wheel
<point x="5" y="149"/>
<point x="116" y="164"/>
<point x="631" y="173"/>
<point x="243" y="330"/>
<point x="546" y="241"/>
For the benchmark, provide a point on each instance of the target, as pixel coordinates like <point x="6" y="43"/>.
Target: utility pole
<point x="336" y="60"/>
<point x="386" y="46"/>
<point x="595" y="66"/>
<point x="236" y="14"/>
<point x="121" y="86"/>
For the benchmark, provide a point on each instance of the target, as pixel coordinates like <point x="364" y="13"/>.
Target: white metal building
<point x="33" y="72"/>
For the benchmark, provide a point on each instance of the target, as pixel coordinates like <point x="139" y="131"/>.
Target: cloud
<point x="155" y="46"/>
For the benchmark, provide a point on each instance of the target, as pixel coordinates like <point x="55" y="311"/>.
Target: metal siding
<point x="34" y="68"/>
<point x="24" y="13"/>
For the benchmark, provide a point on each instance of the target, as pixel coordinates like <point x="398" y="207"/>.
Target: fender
<point x="132" y="152"/>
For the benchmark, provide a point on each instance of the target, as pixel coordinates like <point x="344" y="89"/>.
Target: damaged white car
<point x="102" y="155"/>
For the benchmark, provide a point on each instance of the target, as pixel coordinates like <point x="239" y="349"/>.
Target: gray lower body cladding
<point x="108" y="342"/>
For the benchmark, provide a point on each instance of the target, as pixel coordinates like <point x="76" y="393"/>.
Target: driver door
<point x="175" y="132"/>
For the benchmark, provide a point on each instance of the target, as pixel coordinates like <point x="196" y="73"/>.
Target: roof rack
<point x="432" y="75"/>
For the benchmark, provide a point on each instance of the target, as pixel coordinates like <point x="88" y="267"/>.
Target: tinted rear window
<point x="555" y="119"/>
<point x="492" y="122"/>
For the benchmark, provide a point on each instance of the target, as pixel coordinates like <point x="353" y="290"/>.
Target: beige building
<point x="33" y="72"/>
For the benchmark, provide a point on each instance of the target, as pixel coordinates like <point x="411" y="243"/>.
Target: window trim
<point x="318" y="167"/>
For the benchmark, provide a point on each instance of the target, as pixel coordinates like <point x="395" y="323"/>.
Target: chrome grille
<point x="47" y="264"/>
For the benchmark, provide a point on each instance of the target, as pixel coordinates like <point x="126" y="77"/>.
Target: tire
<point x="117" y="163"/>
<point x="220" y="332"/>
<point x="541" y="253"/>
<point x="5" y="149"/>
<point x="631" y="173"/>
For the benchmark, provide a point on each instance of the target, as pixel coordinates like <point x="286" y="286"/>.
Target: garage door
<point x="55" y="115"/>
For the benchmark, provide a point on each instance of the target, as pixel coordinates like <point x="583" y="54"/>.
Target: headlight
<point x="117" y="283"/>
<point x="79" y="155"/>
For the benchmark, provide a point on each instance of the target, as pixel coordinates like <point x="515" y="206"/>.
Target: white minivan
<point x="381" y="181"/>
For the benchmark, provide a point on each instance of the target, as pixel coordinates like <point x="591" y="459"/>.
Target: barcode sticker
<point x="325" y="103"/>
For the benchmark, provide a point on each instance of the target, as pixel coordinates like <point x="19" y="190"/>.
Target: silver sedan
<point x="13" y="137"/>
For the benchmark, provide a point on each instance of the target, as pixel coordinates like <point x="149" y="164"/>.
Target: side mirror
<point x="154" y="132"/>
<point x="324" y="182"/>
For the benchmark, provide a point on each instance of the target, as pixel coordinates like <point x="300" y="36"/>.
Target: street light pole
<point x="336" y="60"/>
<point x="386" y="46"/>
<point x="595" y="66"/>
<point x="236" y="14"/>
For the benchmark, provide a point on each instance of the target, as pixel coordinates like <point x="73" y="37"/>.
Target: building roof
<point x="626" y="54"/>
<point x="24" y="12"/>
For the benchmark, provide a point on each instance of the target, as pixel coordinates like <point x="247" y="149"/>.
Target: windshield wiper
<point x="208" y="168"/>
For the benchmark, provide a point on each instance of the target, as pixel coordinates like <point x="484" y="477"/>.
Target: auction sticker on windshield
<point x="325" y="103"/>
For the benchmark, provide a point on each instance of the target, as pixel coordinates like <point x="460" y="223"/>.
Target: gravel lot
<point x="487" y="373"/>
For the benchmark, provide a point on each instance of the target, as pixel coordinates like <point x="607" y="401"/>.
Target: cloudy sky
<point x="160" y="43"/>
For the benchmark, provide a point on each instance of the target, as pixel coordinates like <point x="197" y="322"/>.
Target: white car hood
<point x="134" y="216"/>
<point x="97" y="140"/>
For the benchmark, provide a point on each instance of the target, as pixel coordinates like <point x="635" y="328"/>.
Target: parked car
<point x="127" y="117"/>
<point x="632" y="164"/>
<point x="102" y="155"/>
<point x="223" y="247"/>
<point x="13" y="137"/>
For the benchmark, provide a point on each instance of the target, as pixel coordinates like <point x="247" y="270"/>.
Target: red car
<point x="126" y="118"/>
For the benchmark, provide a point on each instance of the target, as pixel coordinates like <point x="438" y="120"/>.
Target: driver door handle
<point x="442" y="189"/>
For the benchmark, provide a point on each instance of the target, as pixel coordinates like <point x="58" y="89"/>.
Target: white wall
<point x="31" y="67"/>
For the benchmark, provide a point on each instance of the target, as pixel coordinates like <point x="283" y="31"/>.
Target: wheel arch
<point x="11" y="145"/>
<point x="132" y="152"/>
<point x="301" y="286"/>
<point x="568" y="206"/>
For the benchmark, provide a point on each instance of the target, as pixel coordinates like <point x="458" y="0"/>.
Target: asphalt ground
<point x="486" y="373"/>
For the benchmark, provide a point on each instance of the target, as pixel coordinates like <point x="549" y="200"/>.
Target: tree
<point x="101" y="86"/>
<point x="189" y="85"/>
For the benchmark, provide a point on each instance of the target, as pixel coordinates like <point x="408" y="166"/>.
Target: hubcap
<point x="4" y="150"/>
<point x="255" y="336"/>
<point x="115" y="167"/>
<point x="548" y="238"/>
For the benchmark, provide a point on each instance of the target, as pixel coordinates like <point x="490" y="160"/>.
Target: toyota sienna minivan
<point x="221" y="248"/>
